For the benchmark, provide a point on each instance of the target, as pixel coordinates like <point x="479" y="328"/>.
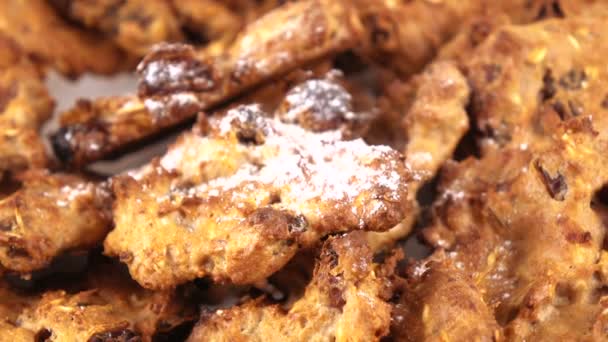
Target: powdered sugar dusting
<point x="324" y="100"/>
<point x="161" y="107"/>
<point x="301" y="166"/>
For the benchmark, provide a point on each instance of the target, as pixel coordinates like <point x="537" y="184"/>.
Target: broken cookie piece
<point x="107" y="306"/>
<point x="51" y="214"/>
<point x="24" y="106"/>
<point x="177" y="81"/>
<point x="346" y="300"/>
<point x="253" y="191"/>
<point x="39" y="31"/>
<point x="134" y="25"/>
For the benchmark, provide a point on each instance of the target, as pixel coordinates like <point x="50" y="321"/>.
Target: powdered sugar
<point x="302" y="166"/>
<point x="324" y="100"/>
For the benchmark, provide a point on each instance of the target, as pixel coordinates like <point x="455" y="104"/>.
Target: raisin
<point x="247" y="125"/>
<point x="573" y="79"/>
<point x="548" y="90"/>
<point x="62" y="145"/>
<point x="579" y="237"/>
<point x="7" y="225"/>
<point x="124" y="335"/>
<point x="576" y="108"/>
<point x="556" y="186"/>
<point x="43" y="335"/>
<point x="560" y="109"/>
<point x="298" y="224"/>
<point x="604" y="103"/>
<point x="336" y="299"/>
<point x="7" y="95"/>
<point x="492" y="71"/>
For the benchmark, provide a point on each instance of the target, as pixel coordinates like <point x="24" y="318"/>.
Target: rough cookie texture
<point x="107" y="306"/>
<point x="431" y="108"/>
<point x="250" y="193"/>
<point x="49" y="40"/>
<point x="525" y="223"/>
<point x="178" y="81"/>
<point x="24" y="105"/>
<point x="134" y="25"/>
<point x="49" y="215"/>
<point x="345" y="301"/>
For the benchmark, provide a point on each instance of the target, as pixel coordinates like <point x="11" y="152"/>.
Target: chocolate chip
<point x="573" y="79"/>
<point x="548" y="90"/>
<point x="556" y="186"/>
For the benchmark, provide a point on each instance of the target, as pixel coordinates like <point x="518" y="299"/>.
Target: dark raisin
<point x="7" y="95"/>
<point x="542" y="13"/>
<point x="336" y="299"/>
<point x="247" y="125"/>
<point x="573" y="79"/>
<point x="43" y="335"/>
<point x="17" y="252"/>
<point x="380" y="29"/>
<point x="298" y="224"/>
<point x="556" y="186"/>
<point x="548" y="90"/>
<point x="174" y="68"/>
<point x="195" y="36"/>
<point x="604" y="103"/>
<point x="552" y="10"/>
<point x="124" y="335"/>
<point x="62" y="145"/>
<point x="479" y="32"/>
<point x="7" y="225"/>
<point x="333" y="258"/>
<point x="140" y="19"/>
<point x="557" y="9"/>
<point x="576" y="108"/>
<point x="560" y="109"/>
<point x="579" y="237"/>
<point x="492" y="71"/>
